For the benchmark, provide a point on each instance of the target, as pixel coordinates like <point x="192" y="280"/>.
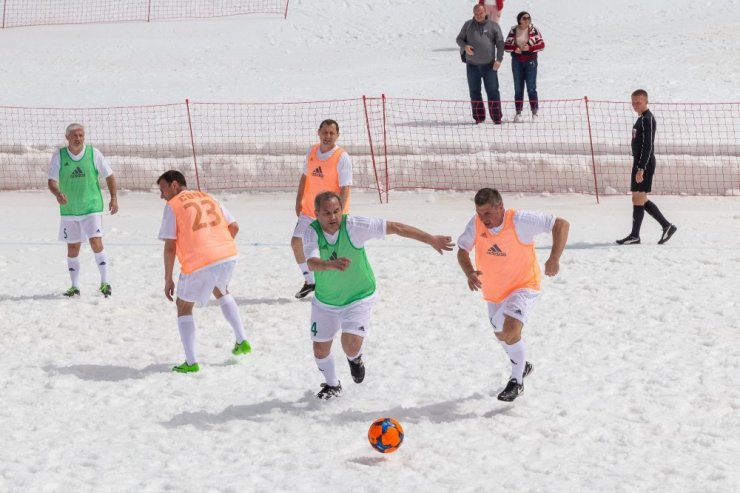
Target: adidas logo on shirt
<point x="333" y="256"/>
<point x="78" y="173"/>
<point x="495" y="250"/>
<point x="318" y="172"/>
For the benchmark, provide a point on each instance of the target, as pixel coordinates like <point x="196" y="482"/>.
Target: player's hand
<point x="441" y="243"/>
<point x="341" y="263"/>
<point x="496" y="66"/>
<point x="552" y="267"/>
<point x="169" y="289"/>
<point x="518" y="50"/>
<point x="640" y="176"/>
<point x="469" y="50"/>
<point x="113" y="206"/>
<point x="473" y="282"/>
<point x="62" y="198"/>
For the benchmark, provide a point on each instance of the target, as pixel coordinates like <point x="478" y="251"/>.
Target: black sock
<point x="653" y="210"/>
<point x="638" y="212"/>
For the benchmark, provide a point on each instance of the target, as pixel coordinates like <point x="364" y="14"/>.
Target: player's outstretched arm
<point x="559" y="239"/>
<point x="439" y="243"/>
<point x="318" y="265"/>
<point x="463" y="258"/>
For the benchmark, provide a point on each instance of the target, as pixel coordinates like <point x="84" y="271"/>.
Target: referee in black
<point x="643" y="168"/>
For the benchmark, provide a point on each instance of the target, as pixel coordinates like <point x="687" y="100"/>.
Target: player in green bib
<point x="74" y="180"/>
<point x="334" y="247"/>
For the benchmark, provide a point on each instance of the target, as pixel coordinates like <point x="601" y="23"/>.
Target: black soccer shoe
<point x="305" y="290"/>
<point x="357" y="369"/>
<point x="629" y="240"/>
<point x="667" y="233"/>
<point x="528" y="367"/>
<point x="511" y="391"/>
<point x="328" y="391"/>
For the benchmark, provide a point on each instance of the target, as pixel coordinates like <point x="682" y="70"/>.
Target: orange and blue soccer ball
<point x="385" y="435"/>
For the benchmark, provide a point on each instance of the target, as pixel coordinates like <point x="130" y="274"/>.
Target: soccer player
<point x="73" y="179"/>
<point x="334" y="245"/>
<point x="328" y="167"/>
<point x="643" y="169"/>
<point x="200" y="232"/>
<point x="507" y="271"/>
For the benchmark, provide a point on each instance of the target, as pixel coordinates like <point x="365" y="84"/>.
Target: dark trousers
<point x="525" y="72"/>
<point x="485" y="73"/>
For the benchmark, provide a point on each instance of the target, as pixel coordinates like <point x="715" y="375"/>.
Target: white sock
<point x="186" y="326"/>
<point x="326" y="366"/>
<point x="231" y="313"/>
<point x="518" y="357"/>
<point x="307" y="274"/>
<point x="102" y="260"/>
<point x="73" y="264"/>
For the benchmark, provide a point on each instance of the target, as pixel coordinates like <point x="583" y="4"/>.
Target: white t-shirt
<point x="527" y="224"/>
<point x="344" y="167"/>
<point x="168" y="229"/>
<point x="101" y="164"/>
<point x="359" y="228"/>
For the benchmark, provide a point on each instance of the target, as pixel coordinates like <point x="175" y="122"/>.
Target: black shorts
<point x="647" y="181"/>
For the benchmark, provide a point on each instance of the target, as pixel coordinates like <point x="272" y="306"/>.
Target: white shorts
<point x="302" y="225"/>
<point x="352" y="319"/>
<point x="77" y="230"/>
<point x="518" y="305"/>
<point x="198" y="286"/>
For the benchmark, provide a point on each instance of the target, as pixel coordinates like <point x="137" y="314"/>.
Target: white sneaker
<point x="534" y="117"/>
<point x="518" y="118"/>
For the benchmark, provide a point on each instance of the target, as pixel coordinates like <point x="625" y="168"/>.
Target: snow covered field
<point x="636" y="384"/>
<point x="636" y="349"/>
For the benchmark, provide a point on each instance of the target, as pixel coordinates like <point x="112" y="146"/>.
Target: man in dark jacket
<point x="483" y="44"/>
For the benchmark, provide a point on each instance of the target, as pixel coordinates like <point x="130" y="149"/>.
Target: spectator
<point x="524" y="41"/>
<point x="483" y="46"/>
<point x="493" y="9"/>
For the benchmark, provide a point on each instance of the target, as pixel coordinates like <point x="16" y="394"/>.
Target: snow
<point x="636" y="384"/>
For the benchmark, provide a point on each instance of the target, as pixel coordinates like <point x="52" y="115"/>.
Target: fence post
<point x="385" y="151"/>
<point x="591" y="142"/>
<point x="192" y="144"/>
<point x="5" y="4"/>
<point x="149" y="11"/>
<point x="286" y="9"/>
<point x="372" y="152"/>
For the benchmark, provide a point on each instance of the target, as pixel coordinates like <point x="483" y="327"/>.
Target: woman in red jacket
<point x="493" y="9"/>
<point x="524" y="41"/>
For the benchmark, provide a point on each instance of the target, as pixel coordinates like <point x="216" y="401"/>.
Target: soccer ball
<point x="385" y="435"/>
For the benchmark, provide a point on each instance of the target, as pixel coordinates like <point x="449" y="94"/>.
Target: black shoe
<point x="629" y="240"/>
<point x="357" y="369"/>
<point x="667" y="233"/>
<point x="327" y="391"/>
<point x="305" y="290"/>
<point x="528" y="367"/>
<point x="511" y="391"/>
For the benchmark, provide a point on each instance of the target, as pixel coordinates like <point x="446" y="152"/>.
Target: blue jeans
<point x="525" y="72"/>
<point x="476" y="73"/>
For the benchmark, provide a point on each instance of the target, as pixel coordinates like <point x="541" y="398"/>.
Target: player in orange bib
<point x="200" y="232"/>
<point x="507" y="272"/>
<point x="328" y="168"/>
